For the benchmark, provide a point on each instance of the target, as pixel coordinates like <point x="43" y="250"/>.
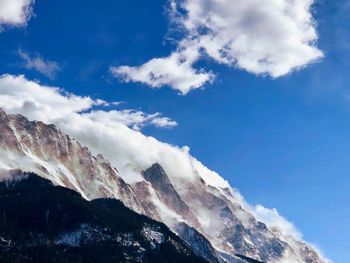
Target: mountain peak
<point x="156" y="175"/>
<point x="166" y="193"/>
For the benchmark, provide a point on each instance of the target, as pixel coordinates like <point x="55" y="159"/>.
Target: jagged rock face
<point x="167" y="194"/>
<point x="200" y="244"/>
<point x="227" y="225"/>
<point x="216" y="213"/>
<point x="149" y="199"/>
<point x="220" y="224"/>
<point x="37" y="147"/>
<point x="223" y="221"/>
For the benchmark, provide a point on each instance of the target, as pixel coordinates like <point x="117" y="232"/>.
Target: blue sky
<point x="283" y="142"/>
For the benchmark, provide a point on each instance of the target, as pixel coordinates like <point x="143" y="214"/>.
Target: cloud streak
<point x="131" y="118"/>
<point x="37" y="62"/>
<point x="273" y="39"/>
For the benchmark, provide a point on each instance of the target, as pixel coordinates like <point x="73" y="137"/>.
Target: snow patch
<point x="153" y="236"/>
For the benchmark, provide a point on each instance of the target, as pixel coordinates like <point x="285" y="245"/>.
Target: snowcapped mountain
<point x="201" y="207"/>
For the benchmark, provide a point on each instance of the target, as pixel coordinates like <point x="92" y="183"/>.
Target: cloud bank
<point x="49" y="104"/>
<point x="273" y="39"/>
<point x="14" y="13"/>
<point x="104" y="132"/>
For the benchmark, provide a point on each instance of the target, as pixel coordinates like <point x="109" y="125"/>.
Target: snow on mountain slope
<point x="37" y="147"/>
<point x="200" y="197"/>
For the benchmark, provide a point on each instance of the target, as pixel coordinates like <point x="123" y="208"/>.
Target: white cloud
<point x="272" y="38"/>
<point x="274" y="220"/>
<point x="15" y="12"/>
<point x="37" y="62"/>
<point x="175" y="71"/>
<point x="131" y="118"/>
<point x="105" y="133"/>
<point x="287" y="232"/>
<point x="19" y="95"/>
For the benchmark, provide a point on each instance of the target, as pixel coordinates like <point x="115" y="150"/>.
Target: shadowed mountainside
<point x="40" y="222"/>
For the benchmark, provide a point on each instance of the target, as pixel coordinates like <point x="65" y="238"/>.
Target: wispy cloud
<point x="131" y="118"/>
<point x="274" y="39"/>
<point x="36" y="62"/>
<point x="286" y="232"/>
<point x="274" y="220"/>
<point x="14" y="13"/>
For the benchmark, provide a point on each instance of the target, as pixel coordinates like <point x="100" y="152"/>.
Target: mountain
<point x="40" y="222"/>
<point x="213" y="219"/>
<point x="45" y="150"/>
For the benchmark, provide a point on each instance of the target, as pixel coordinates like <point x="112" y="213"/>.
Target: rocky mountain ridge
<point x="213" y="213"/>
